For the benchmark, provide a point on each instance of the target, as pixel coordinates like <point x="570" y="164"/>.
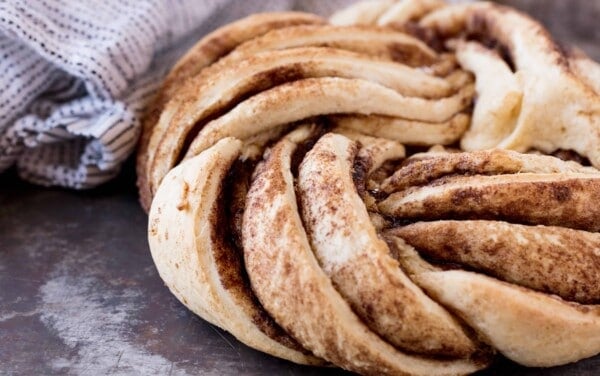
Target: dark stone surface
<point x="79" y="293"/>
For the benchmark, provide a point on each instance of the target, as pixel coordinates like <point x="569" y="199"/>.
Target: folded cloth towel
<point x="75" y="76"/>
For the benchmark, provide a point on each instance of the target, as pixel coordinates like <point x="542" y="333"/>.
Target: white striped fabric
<point x="75" y="76"/>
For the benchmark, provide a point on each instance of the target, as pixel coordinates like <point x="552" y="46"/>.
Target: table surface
<point x="79" y="293"/>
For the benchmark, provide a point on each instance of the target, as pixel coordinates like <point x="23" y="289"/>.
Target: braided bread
<point x="371" y="192"/>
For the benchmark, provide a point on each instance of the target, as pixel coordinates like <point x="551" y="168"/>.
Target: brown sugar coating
<point x="408" y="188"/>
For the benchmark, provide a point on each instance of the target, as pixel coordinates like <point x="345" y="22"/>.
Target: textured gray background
<point x="79" y="293"/>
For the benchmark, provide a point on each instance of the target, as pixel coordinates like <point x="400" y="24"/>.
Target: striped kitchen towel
<point x="75" y="76"/>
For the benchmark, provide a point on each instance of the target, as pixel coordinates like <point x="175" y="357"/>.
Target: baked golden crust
<point x="358" y="261"/>
<point x="549" y="199"/>
<point x="558" y="108"/>
<point x="381" y="43"/>
<point x="429" y="167"/>
<point x="524" y="226"/>
<point x="208" y="50"/>
<point x="291" y="283"/>
<point x="554" y="331"/>
<point x="197" y="106"/>
<point x="198" y="263"/>
<point x="311" y="196"/>
<point x="218" y="88"/>
<point x="549" y="259"/>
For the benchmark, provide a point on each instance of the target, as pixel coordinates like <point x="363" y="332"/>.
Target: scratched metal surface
<point x="79" y="293"/>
